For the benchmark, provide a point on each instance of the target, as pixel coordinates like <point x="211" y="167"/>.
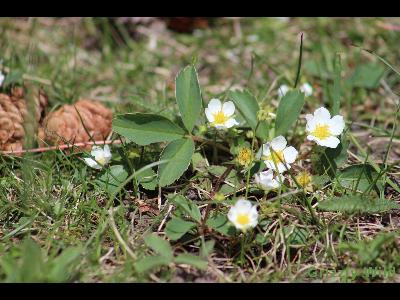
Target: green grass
<point x="58" y="224"/>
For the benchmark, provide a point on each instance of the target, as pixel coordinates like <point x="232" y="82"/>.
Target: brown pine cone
<point x="13" y="115"/>
<point x="65" y="126"/>
<point x="187" y="24"/>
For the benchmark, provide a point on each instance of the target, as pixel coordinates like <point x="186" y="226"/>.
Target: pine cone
<point x="187" y="24"/>
<point x="65" y="126"/>
<point x="13" y="115"/>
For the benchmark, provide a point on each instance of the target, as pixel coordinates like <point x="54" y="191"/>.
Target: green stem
<point x="299" y="63"/>
<point x="242" y="244"/>
<point x="215" y="149"/>
<point x="252" y="151"/>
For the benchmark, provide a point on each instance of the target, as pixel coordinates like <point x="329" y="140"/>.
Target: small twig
<point x="221" y="179"/>
<point x="215" y="190"/>
<point x="60" y="147"/>
<point x="219" y="146"/>
<point x="165" y="218"/>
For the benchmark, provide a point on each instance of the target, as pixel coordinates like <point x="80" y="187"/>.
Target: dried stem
<point x="60" y="147"/>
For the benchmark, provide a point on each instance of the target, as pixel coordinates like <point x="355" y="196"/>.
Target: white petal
<point x="274" y="184"/>
<point x="96" y="150"/>
<point x="230" y="123"/>
<point x="209" y="115"/>
<point x="278" y="143"/>
<point x="232" y="214"/>
<point x="283" y="89"/>
<point x="281" y="167"/>
<point x="214" y="106"/>
<point x="311" y="123"/>
<point x="270" y="184"/>
<point x="322" y="115"/>
<point x="309" y="117"/>
<point x="336" y="125"/>
<point x="307" y="89"/>
<point x="269" y="174"/>
<point x="243" y="205"/>
<point x="92" y="163"/>
<point x="257" y="179"/>
<point x="254" y="215"/>
<point x="107" y="159"/>
<point x="311" y="137"/>
<point x="107" y="152"/>
<point x="228" y="108"/>
<point x="290" y="154"/>
<point x="266" y="180"/>
<point x="253" y="222"/>
<point x="220" y="126"/>
<point x="330" y="142"/>
<point x="266" y="149"/>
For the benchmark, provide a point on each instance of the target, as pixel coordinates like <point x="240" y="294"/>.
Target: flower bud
<point x="219" y="197"/>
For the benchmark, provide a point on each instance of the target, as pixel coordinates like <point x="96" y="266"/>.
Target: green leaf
<point x="199" y="163"/>
<point x="112" y="178"/>
<point x="148" y="179"/>
<point x="296" y="236"/>
<point x="149" y="263"/>
<point x="145" y="129"/>
<point x="179" y="153"/>
<point x="192" y="260"/>
<point x="207" y="248"/>
<point x="159" y="245"/>
<point x="176" y="228"/>
<point x="248" y="106"/>
<point x="366" y="76"/>
<point x="357" y="204"/>
<point x="366" y="252"/>
<point x="360" y="176"/>
<point x="32" y="268"/>
<point x="188" y="96"/>
<point x="220" y="223"/>
<point x="188" y="206"/>
<point x="288" y="112"/>
<point x="61" y="264"/>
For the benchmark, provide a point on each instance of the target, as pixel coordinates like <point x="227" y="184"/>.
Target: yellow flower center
<point x="244" y="157"/>
<point x="220" y="118"/>
<point x="303" y="178"/>
<point x="243" y="219"/>
<point x="276" y="156"/>
<point x="321" y="131"/>
<point x="101" y="160"/>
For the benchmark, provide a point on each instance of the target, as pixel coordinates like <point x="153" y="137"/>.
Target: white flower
<point x="323" y="129"/>
<point x="277" y="156"/>
<point x="220" y="115"/>
<point x="267" y="181"/>
<point x="283" y="19"/>
<point x="101" y="157"/>
<point x="307" y="89"/>
<point x="1" y="78"/>
<point x="243" y="215"/>
<point x="283" y="89"/>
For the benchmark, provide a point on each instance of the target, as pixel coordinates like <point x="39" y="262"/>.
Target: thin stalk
<point x="252" y="150"/>
<point x="299" y="63"/>
<point x="215" y="149"/>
